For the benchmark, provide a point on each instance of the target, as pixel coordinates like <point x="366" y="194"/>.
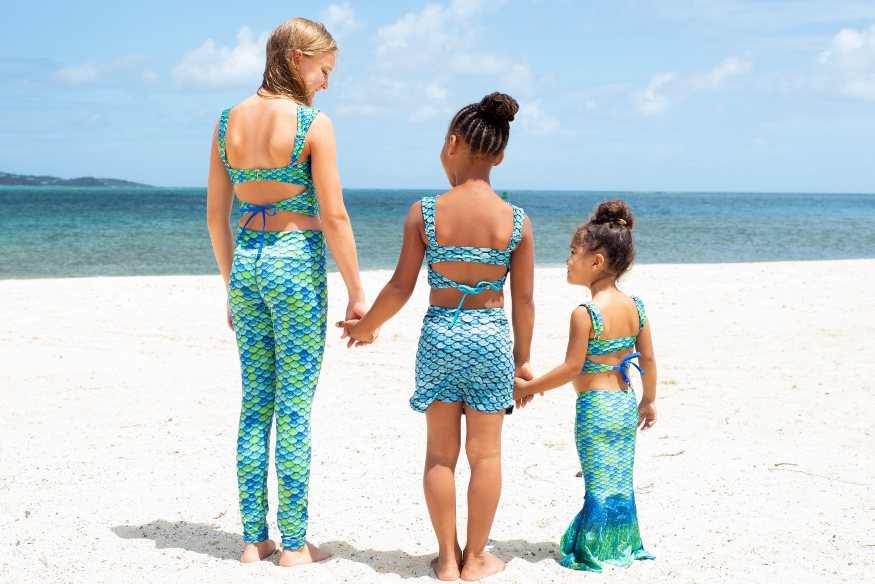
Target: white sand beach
<point x="120" y="399"/>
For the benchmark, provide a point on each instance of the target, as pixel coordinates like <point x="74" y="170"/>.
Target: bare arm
<point x="220" y="199"/>
<point x="400" y="286"/>
<point x="575" y="355"/>
<point x="335" y="220"/>
<point x="522" y="281"/>
<point x="647" y="360"/>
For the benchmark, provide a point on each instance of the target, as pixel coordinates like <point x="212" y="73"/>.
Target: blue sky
<point x="704" y="95"/>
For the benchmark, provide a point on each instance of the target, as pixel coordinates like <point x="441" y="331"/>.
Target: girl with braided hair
<point x="466" y="361"/>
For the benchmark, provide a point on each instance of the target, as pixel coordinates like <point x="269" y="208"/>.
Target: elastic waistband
<point x="471" y="316"/>
<point x="302" y="244"/>
<point x="442" y="310"/>
<point x="603" y="393"/>
<point x="250" y="234"/>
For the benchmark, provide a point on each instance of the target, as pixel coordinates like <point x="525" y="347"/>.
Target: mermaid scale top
<point x="600" y="346"/>
<point x="293" y="173"/>
<point x="296" y="173"/>
<point x="435" y="253"/>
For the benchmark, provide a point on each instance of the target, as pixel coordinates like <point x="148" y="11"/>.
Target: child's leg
<point x="439" y="483"/>
<point x="294" y="287"/>
<point x="483" y="448"/>
<point x="255" y="341"/>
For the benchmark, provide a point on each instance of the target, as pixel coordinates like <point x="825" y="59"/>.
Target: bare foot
<point x="448" y="569"/>
<point x="305" y="555"/>
<point x="254" y="552"/>
<point x="477" y="567"/>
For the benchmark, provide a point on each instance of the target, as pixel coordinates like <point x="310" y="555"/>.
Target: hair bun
<point x="500" y="106"/>
<point x="615" y="211"/>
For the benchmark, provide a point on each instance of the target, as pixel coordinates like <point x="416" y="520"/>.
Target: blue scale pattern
<point x="278" y="307"/>
<point x="471" y="362"/>
<point x="293" y="173"/>
<point x="606" y="530"/>
<point x="465" y="355"/>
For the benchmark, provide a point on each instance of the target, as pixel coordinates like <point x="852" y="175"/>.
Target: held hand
<point x="356" y="337"/>
<point x="524" y="370"/>
<point x="521" y="394"/>
<point x="355" y="309"/>
<point x="646" y="415"/>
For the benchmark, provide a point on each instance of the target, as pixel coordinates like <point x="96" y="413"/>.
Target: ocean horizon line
<point x="143" y="231"/>
<point x="443" y="189"/>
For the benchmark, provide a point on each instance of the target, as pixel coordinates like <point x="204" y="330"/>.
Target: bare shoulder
<point x="322" y="123"/>
<point x="581" y="320"/>
<point x="414" y="214"/>
<point x="580" y="314"/>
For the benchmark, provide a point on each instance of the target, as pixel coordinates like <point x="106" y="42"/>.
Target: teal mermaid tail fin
<point x="600" y="534"/>
<point x="606" y="530"/>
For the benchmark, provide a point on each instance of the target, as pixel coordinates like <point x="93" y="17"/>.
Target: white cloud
<point x="80" y="74"/>
<point x="652" y="100"/>
<point x="340" y="20"/>
<point x="425" y="60"/>
<point x="668" y="89"/>
<point x="535" y="120"/>
<point x="91" y="72"/>
<point x="721" y="76"/>
<point x="761" y="13"/>
<point x="848" y="66"/>
<point x="213" y="66"/>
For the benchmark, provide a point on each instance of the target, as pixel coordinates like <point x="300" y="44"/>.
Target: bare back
<point x="261" y="135"/>
<point x="469" y="216"/>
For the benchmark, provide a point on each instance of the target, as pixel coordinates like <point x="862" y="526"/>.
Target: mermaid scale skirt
<point x="605" y="531"/>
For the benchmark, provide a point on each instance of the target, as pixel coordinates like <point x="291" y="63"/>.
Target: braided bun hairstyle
<point x="610" y="230"/>
<point x="485" y="126"/>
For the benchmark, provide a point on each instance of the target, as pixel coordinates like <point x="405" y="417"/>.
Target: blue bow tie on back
<point x="264" y="211"/>
<point x="623" y="367"/>
<point x="480" y="287"/>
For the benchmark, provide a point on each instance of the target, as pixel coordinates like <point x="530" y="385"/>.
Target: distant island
<point x="23" y="180"/>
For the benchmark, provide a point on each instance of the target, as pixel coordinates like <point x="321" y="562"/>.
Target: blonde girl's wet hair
<point x="281" y="77"/>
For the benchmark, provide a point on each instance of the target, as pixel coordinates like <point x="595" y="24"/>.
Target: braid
<point x="485" y="126"/>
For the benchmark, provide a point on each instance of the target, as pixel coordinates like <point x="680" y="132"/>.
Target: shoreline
<point x="121" y="398"/>
<point x="389" y="271"/>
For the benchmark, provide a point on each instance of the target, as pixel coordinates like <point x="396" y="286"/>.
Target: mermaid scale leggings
<point x="278" y="309"/>
<point x="606" y="529"/>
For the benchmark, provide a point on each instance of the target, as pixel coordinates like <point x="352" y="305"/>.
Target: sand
<point x="120" y="399"/>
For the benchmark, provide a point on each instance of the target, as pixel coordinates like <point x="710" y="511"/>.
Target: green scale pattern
<point x="278" y="308"/>
<point x="605" y="531"/>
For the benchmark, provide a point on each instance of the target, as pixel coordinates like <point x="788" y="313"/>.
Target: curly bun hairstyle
<point x="610" y="230"/>
<point x="485" y="126"/>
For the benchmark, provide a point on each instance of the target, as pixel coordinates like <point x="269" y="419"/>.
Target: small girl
<point x="599" y="354"/>
<point x="471" y="239"/>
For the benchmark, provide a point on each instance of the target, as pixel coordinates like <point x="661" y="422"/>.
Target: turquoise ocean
<point x="48" y="232"/>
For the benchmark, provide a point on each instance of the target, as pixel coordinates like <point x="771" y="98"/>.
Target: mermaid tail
<point x="606" y="529"/>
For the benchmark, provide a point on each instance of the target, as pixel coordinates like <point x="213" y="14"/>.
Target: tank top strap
<point x="223" y="128"/>
<point x="598" y="325"/>
<point x="428" y="218"/>
<point x="305" y="116"/>
<point x="518" y="217"/>
<point x="642" y="316"/>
